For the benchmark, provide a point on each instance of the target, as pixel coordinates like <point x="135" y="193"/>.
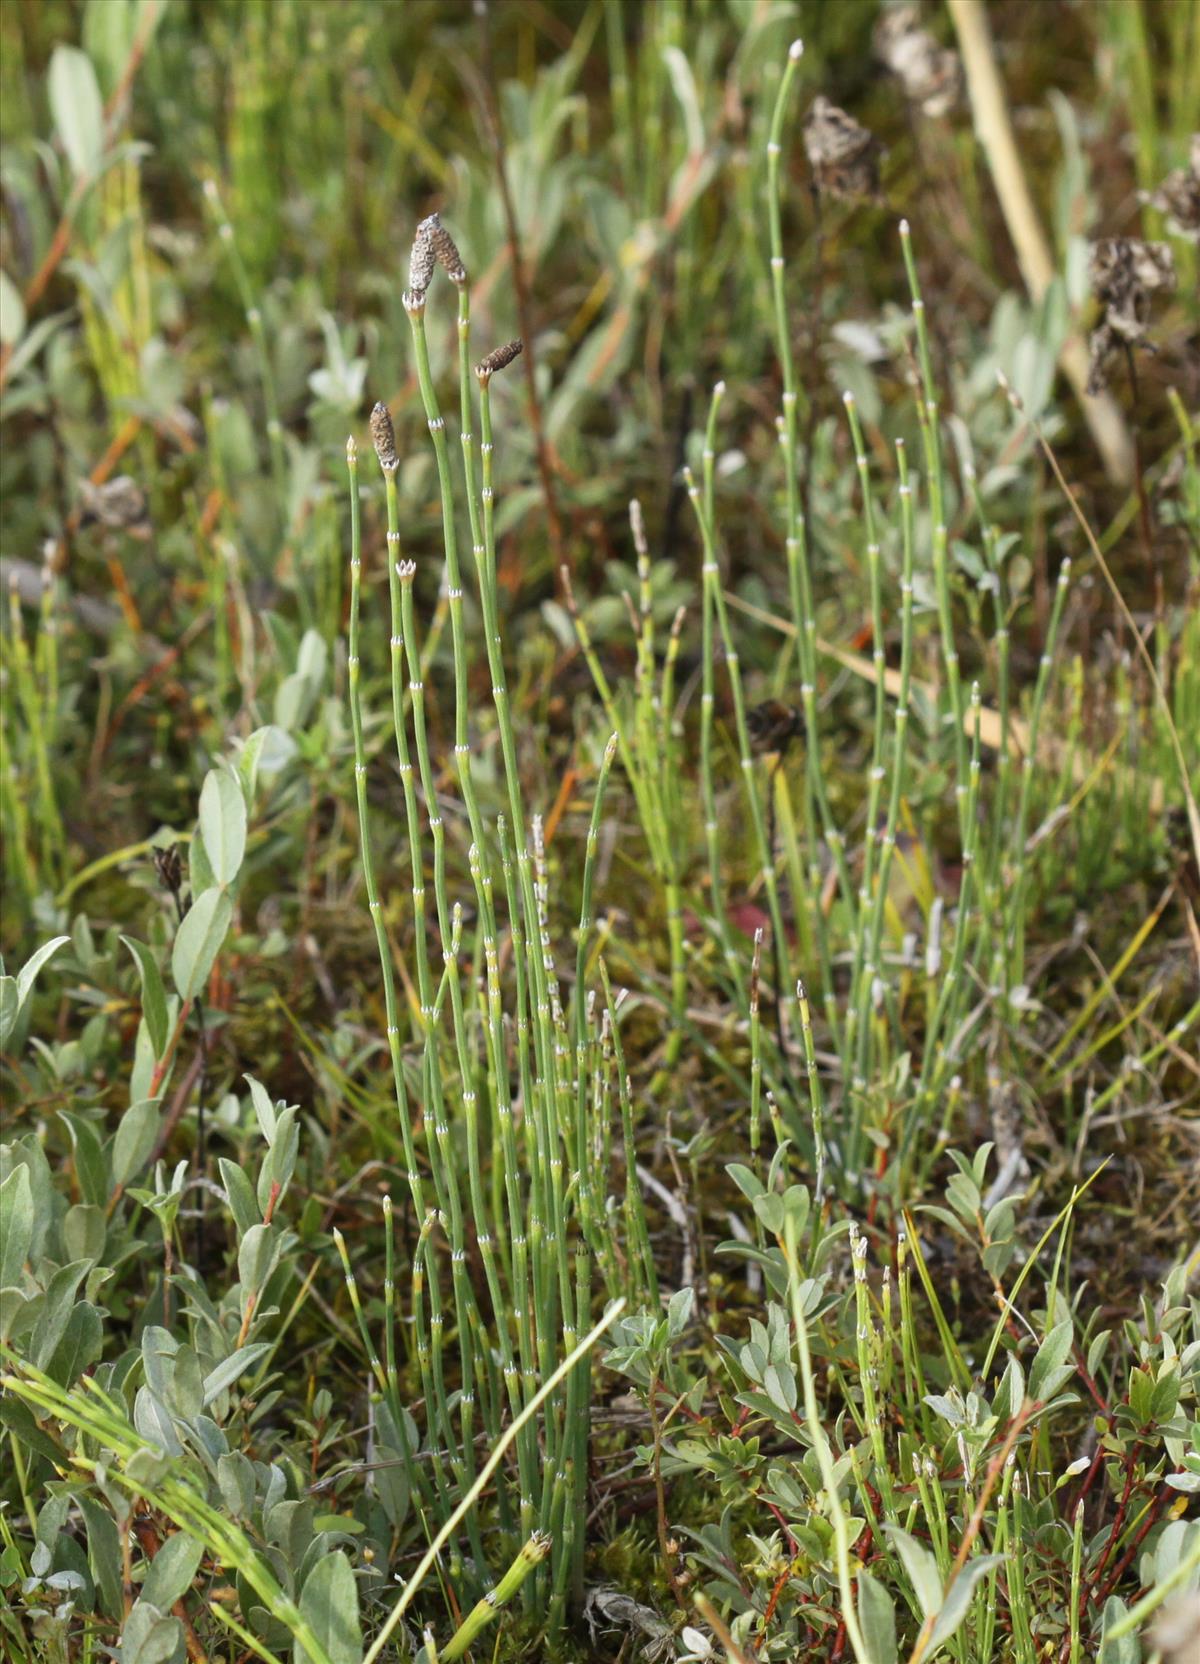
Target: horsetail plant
<point x="846" y="924"/>
<point x="502" y="1089"/>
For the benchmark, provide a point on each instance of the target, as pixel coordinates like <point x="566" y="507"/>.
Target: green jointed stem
<point x="816" y="1099"/>
<point x="485" y="1611"/>
<point x="861" y="980"/>
<point x="712" y="581"/>
<point x="374" y="904"/>
<point x="708" y="659"/>
<point x="816" y="797"/>
<point x="954" y="987"/>
<point x="1014" y="966"/>
<point x="927" y="411"/>
<point x="755" y="1046"/>
<point x="403" y="759"/>
<point x="820" y="1441"/>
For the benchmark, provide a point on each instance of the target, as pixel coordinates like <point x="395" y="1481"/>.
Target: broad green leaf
<point x="32" y="343"/>
<point x="154" y="999"/>
<point x="153" y="1421"/>
<point x="159" y="1348"/>
<point x="33" y="965"/>
<point x="223" y="824"/>
<point x="108" y="34"/>
<point x="679" y="1311"/>
<point x="264" y="1109"/>
<point x="12" y="312"/>
<point x="56" y="1311"/>
<point x="770" y="1210"/>
<point x="266" y="751"/>
<point x="16" y="1225"/>
<point x="187" y="1385"/>
<point x="77" y="109"/>
<point x="276" y="1171"/>
<point x="9" y="1009"/>
<point x="235" y="1476"/>
<point x="198" y="941"/>
<point x="329" y="1601"/>
<point x="172" y="1570"/>
<point x="80" y="1347"/>
<point x="225" y="1374"/>
<point x="240" y="1193"/>
<point x="779" y="1384"/>
<point x="1048" y="1371"/>
<point x="747" y="1182"/>
<point x="256" y="1257"/>
<point x="91" y="1163"/>
<point x="921" y="1567"/>
<point x="877" y="1619"/>
<point x="955" y="1606"/>
<point x="134" y="1140"/>
<point x="18" y="1419"/>
<point x="104" y="1553"/>
<point x="150" y="1637"/>
<point x="83" y="1232"/>
<point x="200" y="874"/>
<point x="1126" y="1649"/>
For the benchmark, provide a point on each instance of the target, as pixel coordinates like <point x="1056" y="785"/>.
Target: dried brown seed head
<point x="843" y="155"/>
<point x="498" y="359"/>
<point x="383" y="437"/>
<point x="931" y="74"/>
<point x="169" y="868"/>
<point x="119" y="504"/>
<point x="1125" y="274"/>
<point x="1178" y="197"/>
<point x="773" y="726"/>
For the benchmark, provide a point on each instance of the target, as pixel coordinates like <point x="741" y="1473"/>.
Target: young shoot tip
<point x="796" y="51"/>
<point x="904" y="231"/>
<point x="719" y="390"/>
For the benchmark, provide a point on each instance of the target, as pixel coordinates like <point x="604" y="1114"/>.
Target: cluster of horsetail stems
<point x="828" y="907"/>
<point x="505" y="1066"/>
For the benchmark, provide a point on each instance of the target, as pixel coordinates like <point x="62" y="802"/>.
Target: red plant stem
<point x="1151" y="1519"/>
<point x="1089" y="1480"/>
<point x="1119" y="1520"/>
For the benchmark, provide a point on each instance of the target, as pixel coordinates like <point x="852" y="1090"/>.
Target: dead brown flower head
<point x="1125" y="274"/>
<point x="119" y="504"/>
<point x="931" y="74"/>
<point x="843" y="155"/>
<point x="1178" y="197"/>
<point x="772" y="726"/>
